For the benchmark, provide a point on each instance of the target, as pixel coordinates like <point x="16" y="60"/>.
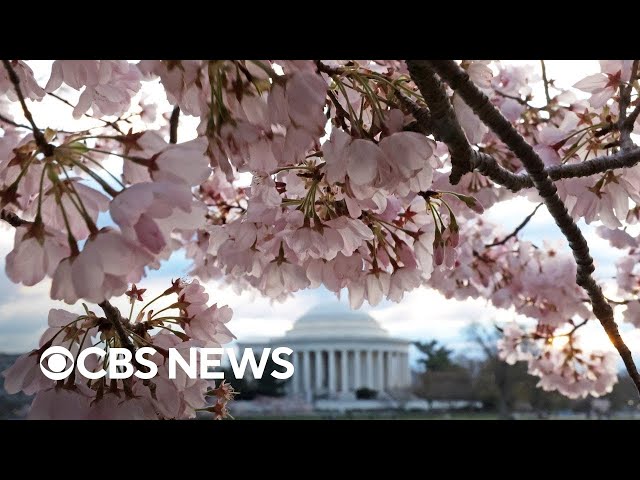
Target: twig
<point x="107" y="123"/>
<point x="15" y="124"/>
<point x="546" y="82"/>
<point x="459" y="80"/>
<point x="173" y="125"/>
<point x="340" y="109"/>
<point x="45" y="147"/>
<point x="567" y="334"/>
<point x="12" y="219"/>
<point x="520" y="100"/>
<point x="517" y="230"/>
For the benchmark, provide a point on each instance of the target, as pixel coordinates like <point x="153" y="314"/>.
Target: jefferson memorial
<point x="337" y="351"/>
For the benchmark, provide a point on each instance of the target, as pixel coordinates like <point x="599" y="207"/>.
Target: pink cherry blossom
<point x="279" y="279"/>
<point x="110" y="84"/>
<point x="137" y="208"/>
<point x="603" y="86"/>
<point x="104" y="268"/>
<point x="209" y="325"/>
<point x="36" y="253"/>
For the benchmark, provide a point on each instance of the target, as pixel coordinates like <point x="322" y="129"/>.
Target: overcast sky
<point x="422" y="315"/>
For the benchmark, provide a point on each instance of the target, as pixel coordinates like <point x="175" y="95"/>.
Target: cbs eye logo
<point x="55" y="359"/>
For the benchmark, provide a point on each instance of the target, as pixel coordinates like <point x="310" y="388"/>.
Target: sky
<point x="422" y="315"/>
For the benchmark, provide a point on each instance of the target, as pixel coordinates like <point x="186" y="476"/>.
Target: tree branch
<point x="517" y="230"/>
<point x="631" y="119"/>
<point x="625" y="100"/>
<point x="420" y="113"/>
<point x="45" y="147"/>
<point x="459" y="80"/>
<point x="12" y="219"/>
<point x="488" y="166"/>
<point x="444" y="122"/>
<point x="546" y="82"/>
<point x="173" y="125"/>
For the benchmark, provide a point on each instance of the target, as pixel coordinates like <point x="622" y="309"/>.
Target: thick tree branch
<point x="45" y="147"/>
<point x="173" y="125"/>
<point x="517" y="229"/>
<point x="444" y="123"/>
<point x="488" y="166"/>
<point x="12" y="219"/>
<point x="421" y="114"/>
<point x="459" y="80"/>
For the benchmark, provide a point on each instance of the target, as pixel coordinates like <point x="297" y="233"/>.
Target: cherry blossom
<point x="109" y="84"/>
<point x="603" y="86"/>
<point x="103" y="269"/>
<point x="36" y="254"/>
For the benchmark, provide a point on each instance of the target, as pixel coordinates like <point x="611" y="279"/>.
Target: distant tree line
<point x="498" y="386"/>
<point x="250" y="388"/>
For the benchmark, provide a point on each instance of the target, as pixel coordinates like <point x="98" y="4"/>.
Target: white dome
<point x="335" y="320"/>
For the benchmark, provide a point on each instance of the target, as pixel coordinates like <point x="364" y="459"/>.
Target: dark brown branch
<point x="12" y="219"/>
<point x="444" y="123"/>
<point x="45" y="147"/>
<point x="488" y="166"/>
<point x="173" y="125"/>
<point x="11" y="122"/>
<point x="517" y="229"/>
<point x="459" y="80"/>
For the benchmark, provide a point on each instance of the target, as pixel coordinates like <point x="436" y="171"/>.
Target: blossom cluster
<point x="189" y="321"/>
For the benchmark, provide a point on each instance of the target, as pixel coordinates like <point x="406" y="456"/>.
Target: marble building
<point x="337" y="351"/>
